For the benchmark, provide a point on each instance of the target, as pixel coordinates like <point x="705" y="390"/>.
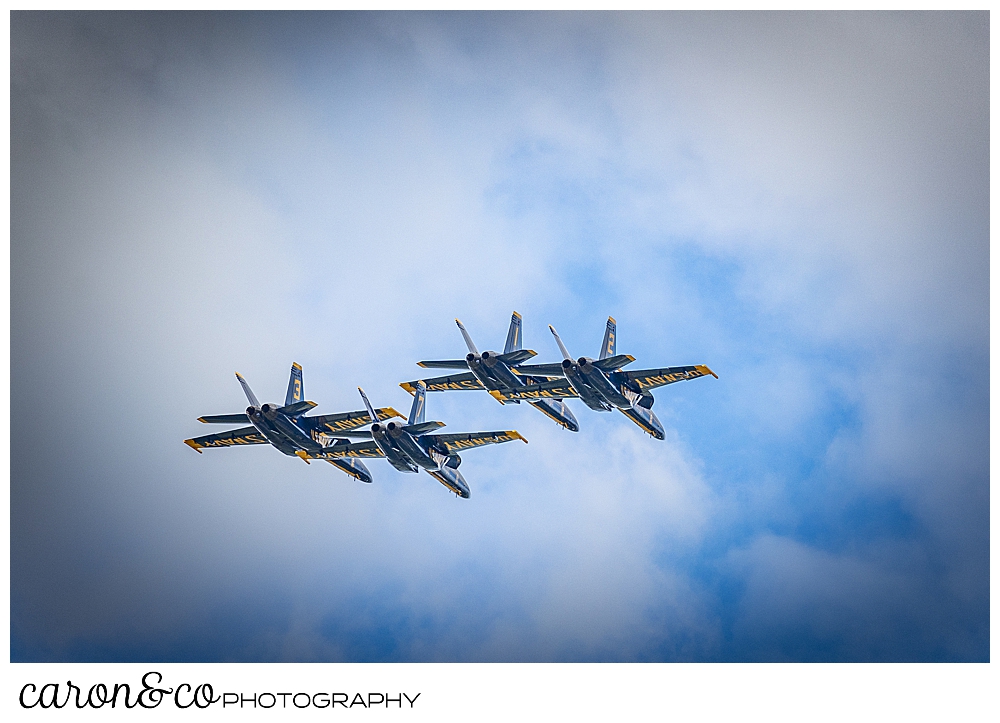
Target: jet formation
<point x="601" y="384"/>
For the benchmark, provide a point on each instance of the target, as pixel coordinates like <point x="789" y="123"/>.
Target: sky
<point x="798" y="200"/>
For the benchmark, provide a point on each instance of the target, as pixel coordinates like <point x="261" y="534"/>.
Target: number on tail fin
<point x="608" y="349"/>
<point x="294" y="393"/>
<point x="513" y="334"/>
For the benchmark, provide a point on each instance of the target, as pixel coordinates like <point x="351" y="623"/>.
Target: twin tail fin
<point x="294" y="393"/>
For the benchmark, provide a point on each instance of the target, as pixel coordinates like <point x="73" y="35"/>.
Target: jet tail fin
<point x="513" y="334"/>
<point x="608" y="348"/>
<point x="246" y="390"/>
<point x="417" y="410"/>
<point x="294" y="393"/>
<point x="468" y="339"/>
<point x="368" y="406"/>
<point x="562" y="347"/>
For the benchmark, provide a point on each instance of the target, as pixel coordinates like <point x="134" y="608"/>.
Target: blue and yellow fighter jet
<point x="602" y="385"/>
<point x="286" y="428"/>
<point x="497" y="374"/>
<point x="410" y="446"/>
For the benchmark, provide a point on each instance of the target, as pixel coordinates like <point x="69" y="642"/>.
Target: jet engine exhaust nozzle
<point x="394" y="429"/>
<point x="470" y="357"/>
<point x="489" y="359"/>
<point x="586" y="365"/>
<point x="567" y="364"/>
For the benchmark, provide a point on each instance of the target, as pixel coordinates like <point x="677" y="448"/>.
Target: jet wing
<point x="551" y="389"/>
<point x="240" y="418"/>
<point x="444" y="364"/>
<point x="458" y="442"/>
<point x="653" y="378"/>
<point x="333" y="423"/>
<point x="352" y="449"/>
<point x="440" y="384"/>
<point x="540" y="370"/>
<point x="235" y="437"/>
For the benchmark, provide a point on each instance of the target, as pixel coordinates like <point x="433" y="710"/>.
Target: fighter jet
<point x="412" y="446"/>
<point x="602" y="385"/>
<point x="286" y="428"/>
<point x="496" y="374"/>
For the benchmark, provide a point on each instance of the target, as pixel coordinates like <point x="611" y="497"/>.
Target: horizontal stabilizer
<point x="423" y="427"/>
<point x="516" y="357"/>
<point x="540" y="370"/>
<point x="614" y="362"/>
<point x="296" y="408"/>
<point x="240" y="418"/>
<point x="444" y="364"/>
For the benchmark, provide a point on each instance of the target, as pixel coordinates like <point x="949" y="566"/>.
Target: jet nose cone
<point x="572" y="426"/>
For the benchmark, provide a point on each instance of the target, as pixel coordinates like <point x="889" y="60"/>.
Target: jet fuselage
<point x="281" y="431"/>
<point x="406" y="453"/>
<point x="602" y="394"/>
<point x="593" y="387"/>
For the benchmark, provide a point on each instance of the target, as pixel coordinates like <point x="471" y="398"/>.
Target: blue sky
<point x="799" y="201"/>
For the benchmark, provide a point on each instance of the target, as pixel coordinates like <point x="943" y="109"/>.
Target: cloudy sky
<point x="799" y="201"/>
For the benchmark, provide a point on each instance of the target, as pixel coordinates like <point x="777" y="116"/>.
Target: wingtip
<point x="517" y="435"/>
<point x="612" y="320"/>
<point x="517" y="315"/>
<point x="296" y="365"/>
<point x="408" y="387"/>
<point x="193" y="445"/>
